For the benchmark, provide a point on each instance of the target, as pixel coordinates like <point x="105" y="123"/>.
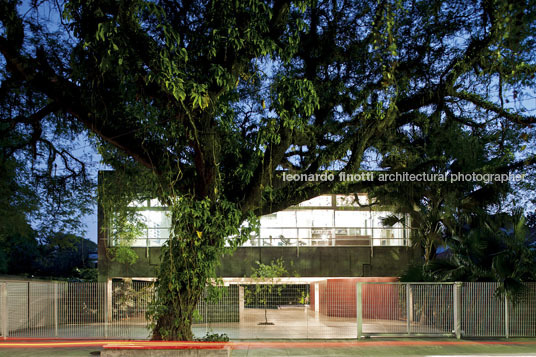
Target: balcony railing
<point x="303" y="237"/>
<point x="330" y="236"/>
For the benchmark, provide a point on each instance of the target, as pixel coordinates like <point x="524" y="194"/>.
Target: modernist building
<point x="326" y="237"/>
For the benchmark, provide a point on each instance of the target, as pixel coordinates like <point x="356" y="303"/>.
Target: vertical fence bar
<point x="359" y="309"/>
<point x="506" y="316"/>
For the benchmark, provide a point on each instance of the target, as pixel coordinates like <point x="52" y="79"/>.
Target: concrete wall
<point x="307" y="262"/>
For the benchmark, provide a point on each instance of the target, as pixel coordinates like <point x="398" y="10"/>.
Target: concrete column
<point x="109" y="300"/>
<point x="108" y="306"/>
<point x="458" y="310"/>
<point x="359" y="309"/>
<point x="240" y="303"/>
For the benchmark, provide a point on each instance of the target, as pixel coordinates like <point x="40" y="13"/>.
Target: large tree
<point x="435" y="208"/>
<point x="208" y="102"/>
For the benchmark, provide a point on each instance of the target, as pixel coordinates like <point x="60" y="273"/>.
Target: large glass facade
<point x="327" y="220"/>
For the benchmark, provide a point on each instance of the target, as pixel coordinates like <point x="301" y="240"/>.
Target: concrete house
<point x="329" y="236"/>
<point x="327" y="243"/>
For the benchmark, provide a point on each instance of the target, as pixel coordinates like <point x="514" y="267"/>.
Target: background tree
<point x="209" y="101"/>
<point x="32" y="220"/>
<point x="490" y="248"/>
<point x="434" y="207"/>
<point x="65" y="255"/>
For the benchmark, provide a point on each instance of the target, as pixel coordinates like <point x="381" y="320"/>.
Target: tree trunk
<point x="176" y="326"/>
<point x="188" y="263"/>
<point x="178" y="293"/>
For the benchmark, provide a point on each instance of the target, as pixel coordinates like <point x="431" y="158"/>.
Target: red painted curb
<point x="125" y="344"/>
<point x="170" y="346"/>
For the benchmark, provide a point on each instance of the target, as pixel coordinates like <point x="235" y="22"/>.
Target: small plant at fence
<point x="266" y="278"/>
<point x="129" y="297"/>
<point x="214" y="337"/>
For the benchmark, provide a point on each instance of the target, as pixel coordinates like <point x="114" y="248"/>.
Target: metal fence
<point x="74" y="310"/>
<point x="407" y="309"/>
<point x="329" y="308"/>
<point x="444" y="309"/>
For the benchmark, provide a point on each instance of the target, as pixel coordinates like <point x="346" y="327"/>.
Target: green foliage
<point x="123" y="254"/>
<point x="266" y="284"/>
<point x="214" y="337"/>
<point x="64" y="255"/>
<point x="189" y="259"/>
<point x="87" y="274"/>
<point x="59" y="256"/>
<point x="125" y="227"/>
<point x="416" y="273"/>
<point x="490" y="248"/>
<point x="21" y="253"/>
<point x="119" y="193"/>
<point x="433" y="208"/>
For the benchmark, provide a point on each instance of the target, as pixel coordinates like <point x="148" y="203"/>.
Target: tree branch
<point x="485" y="104"/>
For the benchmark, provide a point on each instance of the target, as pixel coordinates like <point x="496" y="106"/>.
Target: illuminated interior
<point x="327" y="220"/>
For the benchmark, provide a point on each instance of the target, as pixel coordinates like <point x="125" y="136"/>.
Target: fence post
<point x="358" y="309"/>
<point x="109" y="293"/>
<point x="506" y="316"/>
<point x="5" y="317"/>
<point x="56" y="309"/>
<point x="28" y="306"/>
<point x="241" y="306"/>
<point x="409" y="308"/>
<point x="458" y="309"/>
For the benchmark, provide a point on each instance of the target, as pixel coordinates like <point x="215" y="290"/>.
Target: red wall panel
<point x="338" y="297"/>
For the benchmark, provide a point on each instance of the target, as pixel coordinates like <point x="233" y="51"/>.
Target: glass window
<point x="318" y="225"/>
<point x="320" y="201"/>
<point x="285" y="219"/>
<point x="156" y="219"/>
<point x="322" y="218"/>
<point x="350" y="200"/>
<point x="304" y="218"/>
<point x="351" y="218"/>
<point x="155" y="203"/>
<point x="138" y="204"/>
